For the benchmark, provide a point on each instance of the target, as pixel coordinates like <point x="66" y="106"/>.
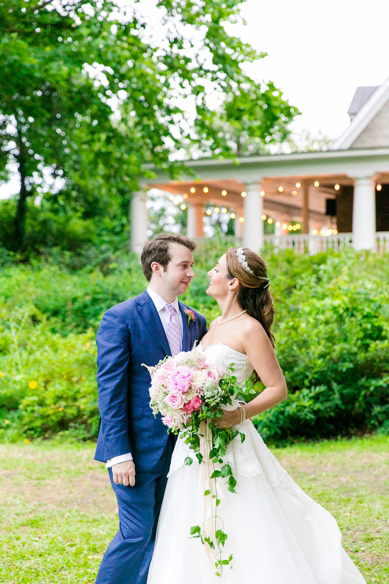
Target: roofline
<point x="276" y="158"/>
<point x="361" y="120"/>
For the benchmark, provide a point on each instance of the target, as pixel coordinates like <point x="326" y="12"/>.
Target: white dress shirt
<point x="159" y="304"/>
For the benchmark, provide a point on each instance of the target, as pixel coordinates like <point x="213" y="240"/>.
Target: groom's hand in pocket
<point x="124" y="473"/>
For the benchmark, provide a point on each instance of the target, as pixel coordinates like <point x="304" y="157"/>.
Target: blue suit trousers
<point x="128" y="556"/>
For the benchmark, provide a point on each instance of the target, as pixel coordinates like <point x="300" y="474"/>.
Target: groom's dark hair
<point x="158" y="250"/>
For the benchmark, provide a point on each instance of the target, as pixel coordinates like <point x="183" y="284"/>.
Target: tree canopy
<point x="91" y="91"/>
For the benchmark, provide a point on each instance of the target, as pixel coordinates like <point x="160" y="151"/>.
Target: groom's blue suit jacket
<point x="131" y="333"/>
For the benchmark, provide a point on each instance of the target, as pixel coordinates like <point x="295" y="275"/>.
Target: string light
<point x="280" y="189"/>
<point x="315" y="232"/>
<point x="224" y="210"/>
<point x="224" y="193"/>
<point x="379" y="187"/>
<point x="270" y="220"/>
<point x="294" y="193"/>
<point x="278" y="224"/>
<point x="337" y="187"/>
<point x="192" y="190"/>
<point x="284" y="226"/>
<point x="242" y="194"/>
<point x="263" y="193"/>
<point x="264" y="217"/>
<point x="316" y="183"/>
<point x="186" y="196"/>
<point x="233" y="215"/>
<point x="298" y="185"/>
<point x="241" y="219"/>
<point x="171" y="198"/>
<point x="298" y="225"/>
<point x="290" y="227"/>
<point x="209" y="212"/>
<point x="205" y="189"/>
<point x="217" y="210"/>
<point x="183" y="206"/>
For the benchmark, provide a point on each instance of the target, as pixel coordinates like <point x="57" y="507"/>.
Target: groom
<point x="134" y="445"/>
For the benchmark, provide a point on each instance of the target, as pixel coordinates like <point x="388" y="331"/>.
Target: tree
<point x="90" y="92"/>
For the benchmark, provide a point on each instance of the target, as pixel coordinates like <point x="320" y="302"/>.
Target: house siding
<point x="376" y="134"/>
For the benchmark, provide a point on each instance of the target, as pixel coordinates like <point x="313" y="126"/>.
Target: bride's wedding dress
<point x="276" y="533"/>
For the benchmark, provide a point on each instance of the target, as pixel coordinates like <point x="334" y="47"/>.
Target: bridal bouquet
<point x="189" y="394"/>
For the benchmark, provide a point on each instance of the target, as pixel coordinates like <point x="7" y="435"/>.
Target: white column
<point x="195" y="221"/>
<point x="364" y="215"/>
<point x="139" y="221"/>
<point x="238" y="225"/>
<point x="253" y="235"/>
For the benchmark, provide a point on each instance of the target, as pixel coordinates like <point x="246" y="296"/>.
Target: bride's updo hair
<point x="253" y="292"/>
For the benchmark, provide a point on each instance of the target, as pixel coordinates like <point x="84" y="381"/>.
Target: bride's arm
<point x="261" y="354"/>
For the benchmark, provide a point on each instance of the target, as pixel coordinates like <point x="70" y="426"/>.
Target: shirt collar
<point x="159" y="302"/>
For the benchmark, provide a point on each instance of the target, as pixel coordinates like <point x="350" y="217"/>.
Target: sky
<point x="318" y="54"/>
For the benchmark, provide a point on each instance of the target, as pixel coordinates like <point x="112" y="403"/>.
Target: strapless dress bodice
<point x="225" y="356"/>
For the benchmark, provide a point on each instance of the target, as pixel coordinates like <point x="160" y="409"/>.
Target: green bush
<point x="331" y="329"/>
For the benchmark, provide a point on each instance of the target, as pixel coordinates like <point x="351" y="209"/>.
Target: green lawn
<point x="59" y="512"/>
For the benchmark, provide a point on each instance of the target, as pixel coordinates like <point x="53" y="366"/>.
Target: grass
<point x="59" y="512"/>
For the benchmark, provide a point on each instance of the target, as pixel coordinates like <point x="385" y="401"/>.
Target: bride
<point x="276" y="533"/>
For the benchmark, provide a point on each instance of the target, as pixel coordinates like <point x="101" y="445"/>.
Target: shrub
<point x="331" y="328"/>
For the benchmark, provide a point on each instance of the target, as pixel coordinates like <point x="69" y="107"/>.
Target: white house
<point x="340" y="197"/>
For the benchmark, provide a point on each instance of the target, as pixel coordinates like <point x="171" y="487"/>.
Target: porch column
<point x="195" y="221"/>
<point x="139" y="220"/>
<point x="364" y="215"/>
<point x="305" y="206"/>
<point x="253" y="235"/>
<point x="238" y="225"/>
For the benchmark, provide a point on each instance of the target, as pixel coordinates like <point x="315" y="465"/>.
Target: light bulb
<point x="270" y="220"/>
<point x="264" y="217"/>
<point x="294" y="193"/>
<point x="209" y="212"/>
<point x="337" y="187"/>
<point x="278" y="224"/>
<point x="263" y="193"/>
<point x="298" y="185"/>
<point x="280" y="189"/>
<point x="316" y="183"/>
<point x="183" y="206"/>
<point x="379" y="187"/>
<point x="192" y="190"/>
<point x="205" y="189"/>
<point x="241" y="219"/>
<point x="224" y="193"/>
<point x="217" y="210"/>
<point x="224" y="210"/>
<point x="242" y="194"/>
<point x="233" y="215"/>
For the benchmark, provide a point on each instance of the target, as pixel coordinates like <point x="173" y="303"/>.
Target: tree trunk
<point x="21" y="211"/>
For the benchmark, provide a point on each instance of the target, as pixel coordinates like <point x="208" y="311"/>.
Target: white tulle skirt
<point x="276" y="533"/>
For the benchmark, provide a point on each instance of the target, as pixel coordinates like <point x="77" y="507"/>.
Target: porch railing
<point x="315" y="243"/>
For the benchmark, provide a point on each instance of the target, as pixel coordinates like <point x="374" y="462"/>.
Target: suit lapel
<point x="186" y="345"/>
<point x="150" y="318"/>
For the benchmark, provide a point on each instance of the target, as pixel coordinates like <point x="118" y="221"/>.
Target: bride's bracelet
<point x="242" y="413"/>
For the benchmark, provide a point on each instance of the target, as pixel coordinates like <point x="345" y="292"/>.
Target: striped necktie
<point x="173" y="330"/>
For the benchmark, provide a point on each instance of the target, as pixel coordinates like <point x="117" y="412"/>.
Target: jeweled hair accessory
<point x="242" y="260"/>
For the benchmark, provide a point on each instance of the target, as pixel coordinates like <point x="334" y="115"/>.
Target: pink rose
<point x="180" y="379"/>
<point x="160" y="378"/>
<point x="168" y="366"/>
<point x="211" y="375"/>
<point x="175" y="400"/>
